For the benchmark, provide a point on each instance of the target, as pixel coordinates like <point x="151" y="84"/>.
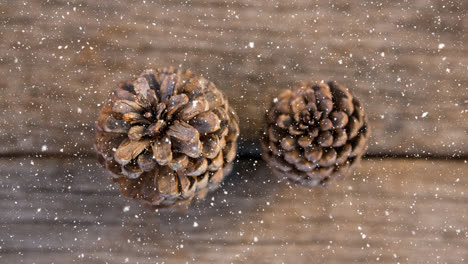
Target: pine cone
<point x="315" y="132"/>
<point x="167" y="137"/>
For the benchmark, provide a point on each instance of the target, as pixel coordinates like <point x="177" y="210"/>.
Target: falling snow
<point x="407" y="62"/>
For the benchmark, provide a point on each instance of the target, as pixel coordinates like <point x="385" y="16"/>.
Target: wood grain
<point x="59" y="60"/>
<point x="391" y="210"/>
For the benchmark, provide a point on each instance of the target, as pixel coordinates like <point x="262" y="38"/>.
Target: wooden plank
<point x="59" y="61"/>
<point x="391" y="210"/>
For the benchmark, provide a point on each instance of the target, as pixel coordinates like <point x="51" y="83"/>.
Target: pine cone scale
<point x="129" y="150"/>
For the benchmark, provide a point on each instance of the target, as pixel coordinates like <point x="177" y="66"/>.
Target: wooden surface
<point x="390" y="211"/>
<point x="406" y="60"/>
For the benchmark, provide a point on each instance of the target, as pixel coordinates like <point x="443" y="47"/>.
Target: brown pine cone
<point x="315" y="132"/>
<point x="167" y="137"/>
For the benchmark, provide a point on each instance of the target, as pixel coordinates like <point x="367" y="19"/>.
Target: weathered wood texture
<point x="59" y="59"/>
<point x="390" y="211"/>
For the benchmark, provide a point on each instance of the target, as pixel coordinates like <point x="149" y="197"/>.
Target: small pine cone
<point x="315" y="132"/>
<point x="167" y="137"/>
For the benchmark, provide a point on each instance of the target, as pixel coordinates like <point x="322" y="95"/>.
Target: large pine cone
<point x="167" y="137"/>
<point x="315" y="132"/>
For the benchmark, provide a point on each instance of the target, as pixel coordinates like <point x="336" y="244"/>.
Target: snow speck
<point x="424" y="114"/>
<point x="255" y="239"/>
<point x="340" y="61"/>
<point x="382" y="54"/>
<point x="79" y="110"/>
<point x="195" y="224"/>
<point x="441" y="45"/>
<point x="126" y="208"/>
<point x="44" y="148"/>
<point x="39" y="210"/>
<point x="251" y="45"/>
